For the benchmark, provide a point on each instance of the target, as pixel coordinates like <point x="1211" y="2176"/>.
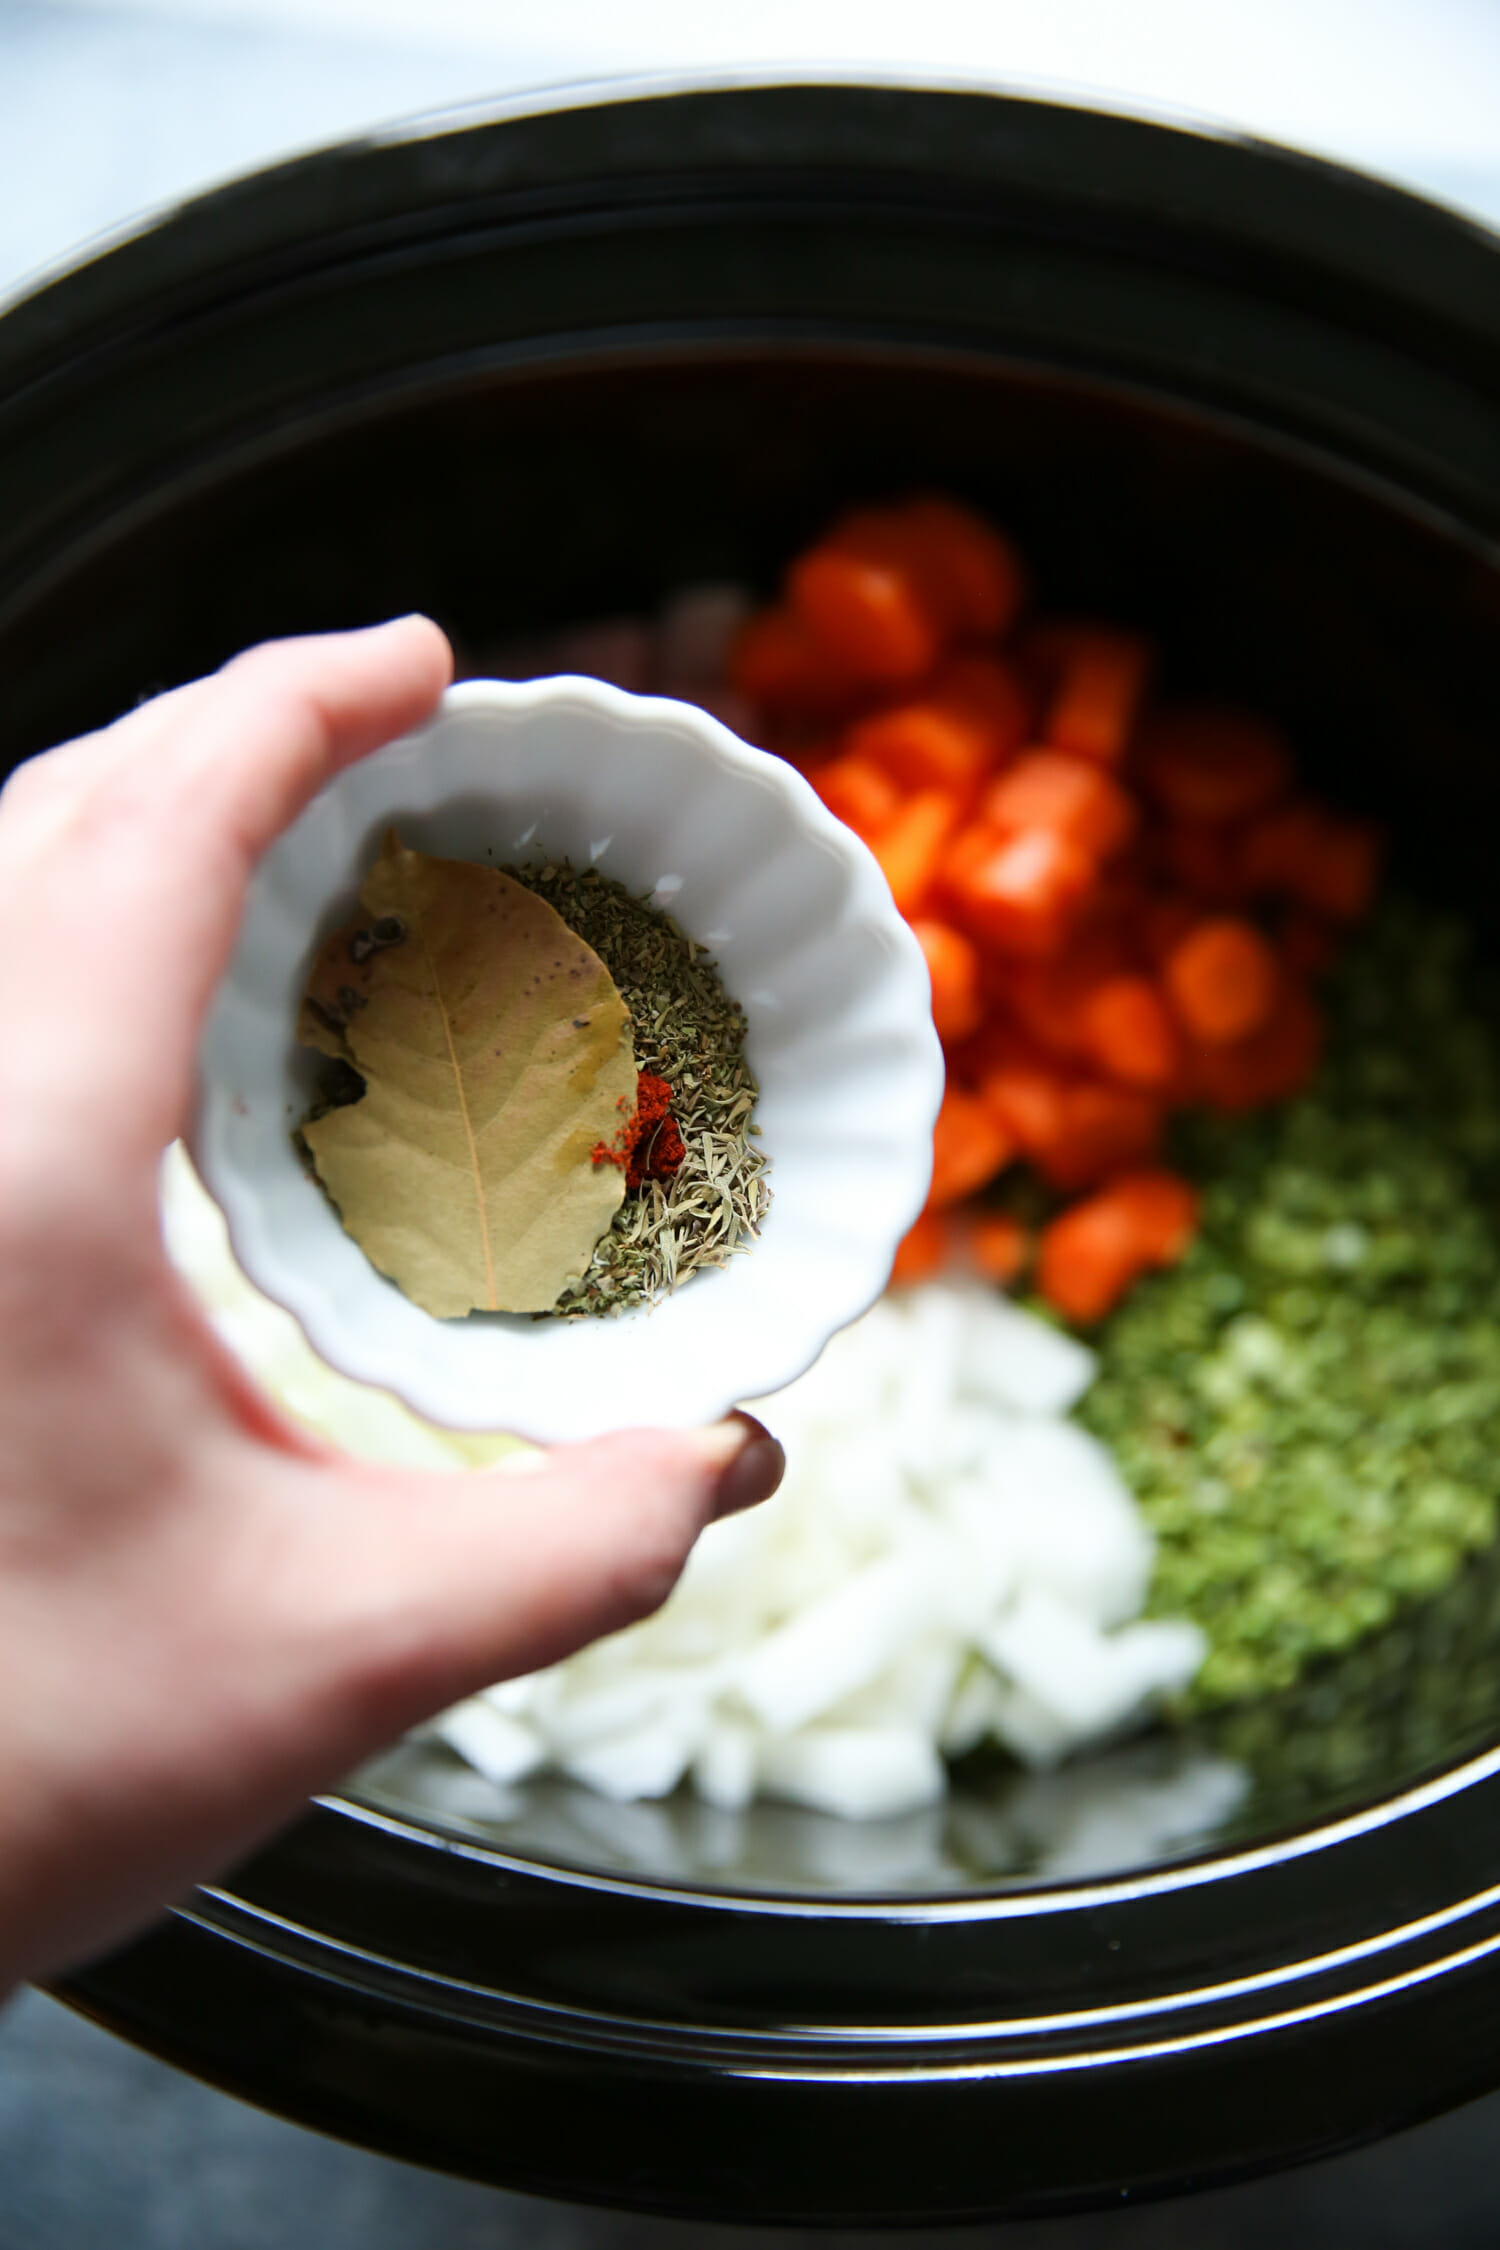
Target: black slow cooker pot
<point x="546" y="363"/>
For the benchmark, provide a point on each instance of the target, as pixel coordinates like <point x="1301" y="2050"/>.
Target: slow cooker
<point x="546" y="362"/>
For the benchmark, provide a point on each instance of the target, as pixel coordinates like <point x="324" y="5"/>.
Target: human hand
<point x="205" y="1614"/>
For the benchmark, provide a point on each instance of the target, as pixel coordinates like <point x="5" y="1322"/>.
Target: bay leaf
<point x="496" y="1053"/>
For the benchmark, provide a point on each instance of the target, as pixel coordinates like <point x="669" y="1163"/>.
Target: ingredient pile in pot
<point x="1212" y="1106"/>
<point x="1126" y="904"/>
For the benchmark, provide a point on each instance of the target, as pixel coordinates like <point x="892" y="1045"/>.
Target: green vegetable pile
<point x="1308" y="1407"/>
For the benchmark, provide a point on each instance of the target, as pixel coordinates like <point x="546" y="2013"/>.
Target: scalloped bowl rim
<point x="855" y="1142"/>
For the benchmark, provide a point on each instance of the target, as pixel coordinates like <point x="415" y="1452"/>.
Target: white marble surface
<point x="109" y="108"/>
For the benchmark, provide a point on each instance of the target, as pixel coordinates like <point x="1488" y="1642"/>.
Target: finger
<point x="121" y="903"/>
<point x="444" y="1585"/>
<point x="39" y="795"/>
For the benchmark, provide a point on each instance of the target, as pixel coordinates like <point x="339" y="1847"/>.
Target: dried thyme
<point x="691" y="1033"/>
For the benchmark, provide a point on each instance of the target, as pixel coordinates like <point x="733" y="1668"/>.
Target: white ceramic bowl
<point x="737" y="847"/>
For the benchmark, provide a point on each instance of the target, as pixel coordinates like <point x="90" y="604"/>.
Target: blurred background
<point x="110" y="109"/>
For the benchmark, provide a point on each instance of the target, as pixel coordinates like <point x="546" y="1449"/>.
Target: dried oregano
<point x="688" y="1031"/>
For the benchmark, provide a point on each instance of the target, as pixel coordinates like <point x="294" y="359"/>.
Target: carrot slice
<point x="867" y="612"/>
<point x="1101" y="678"/>
<point x="926" y="746"/>
<point x="922" y="1252"/>
<point x="910" y="847"/>
<point x="1050" y="999"/>
<point x="1326" y="861"/>
<point x="998" y="1246"/>
<point x="1087" y="1258"/>
<point x="1090" y="1255"/>
<point x="970" y="717"/>
<point x="987" y="688"/>
<point x="780" y="668"/>
<point x="1066" y="796"/>
<point x="1022" y="893"/>
<point x="953" y="965"/>
<point x="969" y="1146"/>
<point x="1210" y="762"/>
<point x="1104" y="1129"/>
<point x="1222" y="980"/>
<point x="1165" y="921"/>
<point x="1129" y="1033"/>
<point x="1271" y="1065"/>
<point x="1029" y="1100"/>
<point x="975" y="571"/>
<point x="860" y="794"/>
<point x="1163" y="1209"/>
<point x="1207" y="861"/>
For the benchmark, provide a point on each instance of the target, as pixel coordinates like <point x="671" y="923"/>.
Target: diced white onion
<point x="948" y="1560"/>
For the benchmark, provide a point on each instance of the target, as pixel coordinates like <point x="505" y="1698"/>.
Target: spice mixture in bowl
<point x="1081" y="1776"/>
<point x="434" y="1171"/>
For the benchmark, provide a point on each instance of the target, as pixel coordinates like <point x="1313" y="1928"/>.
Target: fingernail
<point x="753" y="1463"/>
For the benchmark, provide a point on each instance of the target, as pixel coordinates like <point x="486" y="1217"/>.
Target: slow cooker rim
<point x="106" y="1987"/>
<point x="157" y="233"/>
<point x="1079" y="1895"/>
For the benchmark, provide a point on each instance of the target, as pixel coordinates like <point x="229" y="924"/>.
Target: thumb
<point x="450" y="1583"/>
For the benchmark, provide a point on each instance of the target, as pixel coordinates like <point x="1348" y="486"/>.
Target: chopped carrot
<point x="1104" y="1129"/>
<point x="911" y="845"/>
<point x="1129" y="1032"/>
<point x="1029" y="1099"/>
<point x="969" y="1146"/>
<point x="1208" y="862"/>
<point x="1102" y="676"/>
<point x="1274" y="1063"/>
<point x="994" y="1042"/>
<point x="1326" y="861"/>
<point x="998" y="1246"/>
<point x="970" y="717"/>
<point x="860" y="794"/>
<point x="1090" y="1255"/>
<point x="778" y="666"/>
<point x="1222" y="980"/>
<point x="1165" y="921"/>
<point x="953" y="965"/>
<point x="868" y="612"/>
<point x="1209" y="762"/>
<point x="926" y="745"/>
<point x="987" y="688"/>
<point x="1164" y="1211"/>
<point x="1050" y="999"/>
<point x="1067" y="797"/>
<point x="1002" y="1047"/>
<point x="1087" y="1258"/>
<point x="922" y="1252"/>
<point x="1079" y="871"/>
<point x="1020" y="892"/>
<point x="975" y="572"/>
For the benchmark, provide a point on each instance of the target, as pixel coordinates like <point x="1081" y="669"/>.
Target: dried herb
<point x="690" y="1035"/>
<point x="495" y="1052"/>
